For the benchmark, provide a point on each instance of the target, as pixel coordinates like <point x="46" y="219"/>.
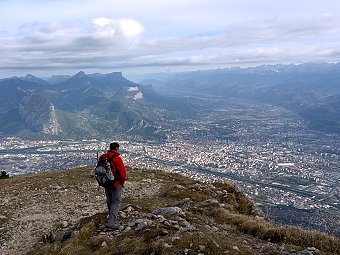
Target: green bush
<point x="48" y="238"/>
<point x="4" y="175"/>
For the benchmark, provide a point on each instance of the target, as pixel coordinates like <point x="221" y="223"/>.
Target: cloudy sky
<point x="46" y="37"/>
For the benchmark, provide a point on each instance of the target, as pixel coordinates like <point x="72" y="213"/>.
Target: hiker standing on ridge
<point x="114" y="191"/>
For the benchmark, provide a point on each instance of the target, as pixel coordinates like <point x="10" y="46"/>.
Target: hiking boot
<point x="102" y="227"/>
<point x="111" y="228"/>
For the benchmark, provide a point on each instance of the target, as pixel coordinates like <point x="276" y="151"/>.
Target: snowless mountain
<point x="80" y="106"/>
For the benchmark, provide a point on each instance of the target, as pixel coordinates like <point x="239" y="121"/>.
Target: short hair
<point x="114" y="146"/>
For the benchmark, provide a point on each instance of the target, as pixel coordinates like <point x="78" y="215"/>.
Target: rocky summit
<point x="63" y="212"/>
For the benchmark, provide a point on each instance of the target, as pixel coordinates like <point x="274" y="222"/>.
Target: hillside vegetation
<point x="60" y="213"/>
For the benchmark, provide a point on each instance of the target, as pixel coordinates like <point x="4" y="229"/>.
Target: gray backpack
<point x="104" y="175"/>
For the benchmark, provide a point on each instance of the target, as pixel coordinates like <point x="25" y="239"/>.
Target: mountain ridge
<point x="310" y="90"/>
<point x="161" y="213"/>
<point x="79" y="96"/>
<point x="299" y="88"/>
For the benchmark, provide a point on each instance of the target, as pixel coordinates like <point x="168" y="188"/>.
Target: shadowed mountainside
<point x="93" y="105"/>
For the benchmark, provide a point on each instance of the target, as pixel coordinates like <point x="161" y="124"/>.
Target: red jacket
<point x="117" y="166"/>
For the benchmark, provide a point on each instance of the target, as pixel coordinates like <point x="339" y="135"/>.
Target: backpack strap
<point x="112" y="160"/>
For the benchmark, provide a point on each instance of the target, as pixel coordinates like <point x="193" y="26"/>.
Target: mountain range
<point x="93" y="105"/>
<point x="312" y="90"/>
<point x="78" y="106"/>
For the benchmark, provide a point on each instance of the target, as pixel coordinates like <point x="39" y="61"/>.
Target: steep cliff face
<point x="39" y="114"/>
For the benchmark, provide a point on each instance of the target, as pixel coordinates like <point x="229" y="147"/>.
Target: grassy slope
<point x="236" y="222"/>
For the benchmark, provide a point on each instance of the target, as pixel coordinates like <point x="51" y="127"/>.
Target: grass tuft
<point x="267" y="231"/>
<point x="48" y="238"/>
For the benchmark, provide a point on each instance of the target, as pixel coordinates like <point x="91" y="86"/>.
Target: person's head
<point x="114" y="146"/>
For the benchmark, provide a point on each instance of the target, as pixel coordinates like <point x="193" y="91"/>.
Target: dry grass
<point x="45" y="180"/>
<point x="267" y="231"/>
<point x="87" y="243"/>
<point x="236" y="221"/>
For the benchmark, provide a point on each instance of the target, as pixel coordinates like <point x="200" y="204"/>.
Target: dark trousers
<point x="113" y="200"/>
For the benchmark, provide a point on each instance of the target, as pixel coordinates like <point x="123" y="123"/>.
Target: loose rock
<point x="169" y="211"/>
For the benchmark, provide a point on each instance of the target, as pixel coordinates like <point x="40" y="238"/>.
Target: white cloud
<point x="105" y="27"/>
<point x="130" y="28"/>
<point x="170" y="33"/>
<point x="102" y="22"/>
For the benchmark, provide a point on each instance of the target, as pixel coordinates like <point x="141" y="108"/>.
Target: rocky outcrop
<point x="39" y="114"/>
<point x="170" y="224"/>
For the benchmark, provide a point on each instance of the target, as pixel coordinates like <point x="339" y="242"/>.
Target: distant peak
<point x="80" y="74"/>
<point x="118" y="74"/>
<point x="115" y="75"/>
<point x="30" y="76"/>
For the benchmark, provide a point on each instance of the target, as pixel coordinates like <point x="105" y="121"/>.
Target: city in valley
<point x="289" y="170"/>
